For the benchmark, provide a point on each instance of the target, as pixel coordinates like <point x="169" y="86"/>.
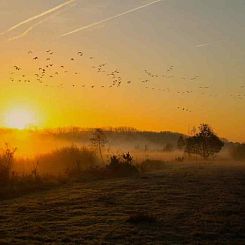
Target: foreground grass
<point x="186" y="204"/>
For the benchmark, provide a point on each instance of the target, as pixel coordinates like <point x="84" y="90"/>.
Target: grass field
<point x="184" y="203"/>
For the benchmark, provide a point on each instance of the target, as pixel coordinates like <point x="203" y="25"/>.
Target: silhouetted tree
<point x="99" y="140"/>
<point x="181" y="143"/>
<point x="204" y="143"/>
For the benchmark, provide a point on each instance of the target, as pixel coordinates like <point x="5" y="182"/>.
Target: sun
<point x="20" y="118"/>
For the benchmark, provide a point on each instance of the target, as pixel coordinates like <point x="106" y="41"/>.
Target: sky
<point x="178" y="63"/>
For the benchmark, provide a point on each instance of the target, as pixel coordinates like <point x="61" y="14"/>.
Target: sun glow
<point x="20" y="118"/>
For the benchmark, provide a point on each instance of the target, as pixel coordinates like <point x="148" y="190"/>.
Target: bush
<point x="71" y="159"/>
<point x="121" y="166"/>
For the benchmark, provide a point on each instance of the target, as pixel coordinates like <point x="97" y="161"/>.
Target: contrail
<point x="39" y="15"/>
<point x="202" y="45"/>
<point x="110" y="18"/>
<point x="36" y="24"/>
<point x="27" y="30"/>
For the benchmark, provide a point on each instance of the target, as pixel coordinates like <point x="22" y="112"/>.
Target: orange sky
<point x="203" y="44"/>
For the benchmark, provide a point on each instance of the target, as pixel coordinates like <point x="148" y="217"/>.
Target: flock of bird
<point x="49" y="70"/>
<point x="50" y="74"/>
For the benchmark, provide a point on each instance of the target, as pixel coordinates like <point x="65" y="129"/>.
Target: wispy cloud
<point x="201" y="45"/>
<point x="28" y="30"/>
<point x="110" y="18"/>
<point x="49" y="11"/>
<point x="211" y="43"/>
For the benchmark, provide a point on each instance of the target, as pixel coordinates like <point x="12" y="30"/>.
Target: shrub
<point x="121" y="166"/>
<point x="70" y="159"/>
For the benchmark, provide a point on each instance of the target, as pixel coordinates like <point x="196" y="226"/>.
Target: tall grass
<point x="6" y="164"/>
<point x="67" y="159"/>
<point x="20" y="176"/>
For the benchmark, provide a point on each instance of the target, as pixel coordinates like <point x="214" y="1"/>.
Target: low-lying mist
<point x="57" y="151"/>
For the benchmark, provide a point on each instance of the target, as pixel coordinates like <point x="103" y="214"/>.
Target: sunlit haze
<point x="19" y="119"/>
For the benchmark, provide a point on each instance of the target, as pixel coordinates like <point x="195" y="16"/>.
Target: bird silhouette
<point x="17" y="68"/>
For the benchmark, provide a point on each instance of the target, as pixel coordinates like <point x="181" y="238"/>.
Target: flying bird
<point x="17" y="68"/>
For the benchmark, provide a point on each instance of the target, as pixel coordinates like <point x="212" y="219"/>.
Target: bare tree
<point x="99" y="140"/>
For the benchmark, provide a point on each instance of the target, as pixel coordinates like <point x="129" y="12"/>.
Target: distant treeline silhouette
<point x="116" y="135"/>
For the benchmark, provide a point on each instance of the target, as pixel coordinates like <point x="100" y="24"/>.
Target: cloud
<point x="201" y="45"/>
<point x="23" y="34"/>
<point x="49" y="11"/>
<point x="110" y="18"/>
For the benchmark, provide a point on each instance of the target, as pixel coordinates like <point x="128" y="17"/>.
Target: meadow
<point x="180" y="203"/>
<point x="156" y="194"/>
